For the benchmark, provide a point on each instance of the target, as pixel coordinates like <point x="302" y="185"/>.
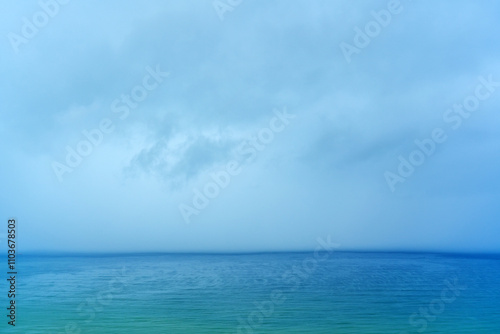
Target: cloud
<point x="180" y="158"/>
<point x="323" y="174"/>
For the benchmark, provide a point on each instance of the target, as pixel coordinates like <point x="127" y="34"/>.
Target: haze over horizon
<point x="184" y="127"/>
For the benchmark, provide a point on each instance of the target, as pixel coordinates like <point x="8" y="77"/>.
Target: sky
<point x="240" y="126"/>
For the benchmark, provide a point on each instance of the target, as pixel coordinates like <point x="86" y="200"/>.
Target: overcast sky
<point x="306" y="113"/>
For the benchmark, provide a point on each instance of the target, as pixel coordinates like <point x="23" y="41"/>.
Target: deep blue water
<point x="257" y="293"/>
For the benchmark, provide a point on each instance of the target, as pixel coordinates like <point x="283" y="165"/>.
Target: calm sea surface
<point x="261" y="293"/>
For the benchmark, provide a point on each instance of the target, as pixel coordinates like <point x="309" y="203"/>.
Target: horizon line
<point x="151" y="253"/>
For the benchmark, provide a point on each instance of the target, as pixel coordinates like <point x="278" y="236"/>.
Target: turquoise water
<point x="259" y="293"/>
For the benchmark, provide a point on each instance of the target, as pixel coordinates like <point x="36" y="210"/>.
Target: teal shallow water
<point x="259" y="293"/>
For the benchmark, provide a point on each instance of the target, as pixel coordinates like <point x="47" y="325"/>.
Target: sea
<point x="302" y="292"/>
